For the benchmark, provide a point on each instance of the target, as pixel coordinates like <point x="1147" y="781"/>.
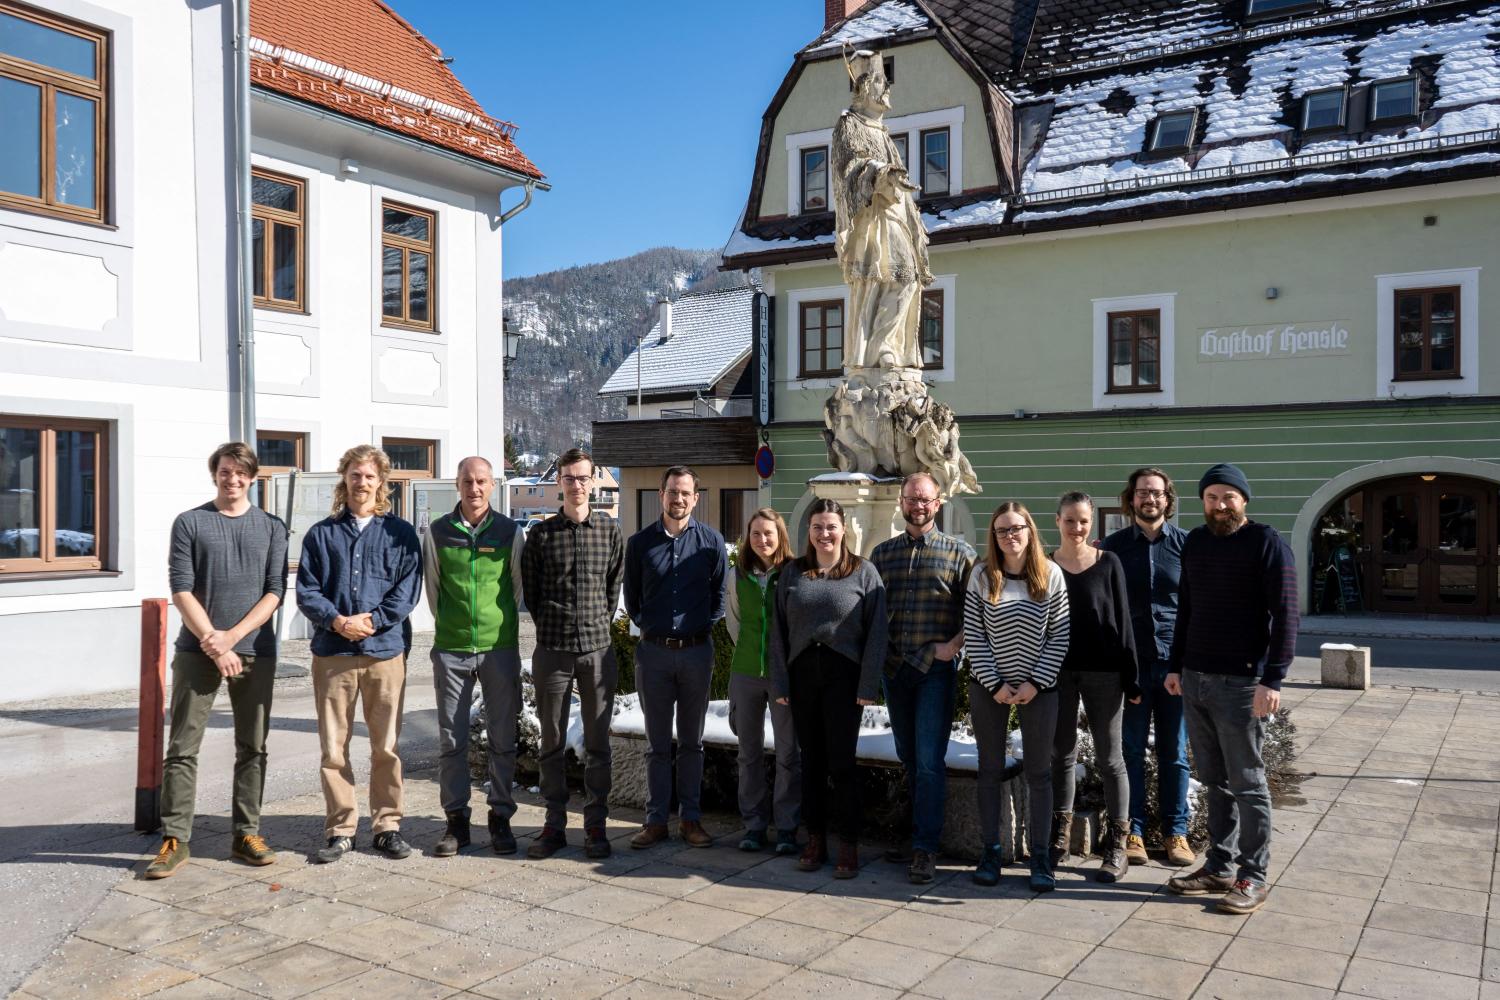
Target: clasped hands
<point x="218" y="646"/>
<point x="1016" y="694"/>
<point x="354" y="627"/>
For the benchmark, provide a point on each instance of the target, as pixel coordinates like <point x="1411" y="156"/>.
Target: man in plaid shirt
<point x="571" y="569"/>
<point x="925" y="573"/>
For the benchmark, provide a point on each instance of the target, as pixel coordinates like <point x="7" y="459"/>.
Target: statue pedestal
<point x="871" y="506"/>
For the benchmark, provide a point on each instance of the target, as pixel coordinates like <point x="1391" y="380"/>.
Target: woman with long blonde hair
<point x="1015" y="635"/>
<point x="764" y="548"/>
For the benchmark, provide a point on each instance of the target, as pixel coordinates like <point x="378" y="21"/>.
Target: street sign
<point x="762" y="341"/>
<point x="765" y="461"/>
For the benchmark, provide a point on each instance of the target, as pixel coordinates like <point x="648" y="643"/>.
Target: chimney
<point x="835" y="11"/>
<point x="664" y="307"/>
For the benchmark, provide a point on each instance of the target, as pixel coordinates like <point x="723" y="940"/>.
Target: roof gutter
<point x="375" y="130"/>
<point x="511" y="213"/>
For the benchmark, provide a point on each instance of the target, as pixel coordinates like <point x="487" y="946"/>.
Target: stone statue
<point x="879" y="236"/>
<point x="880" y="420"/>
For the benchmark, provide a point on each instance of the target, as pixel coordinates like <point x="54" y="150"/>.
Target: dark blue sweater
<point x="1237" y="606"/>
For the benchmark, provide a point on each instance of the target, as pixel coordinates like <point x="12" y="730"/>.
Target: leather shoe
<point x="649" y="836"/>
<point x="1199" y="883"/>
<point x="923" y="867"/>
<point x="847" y="865"/>
<point x="693" y="834"/>
<point x="1245" y="897"/>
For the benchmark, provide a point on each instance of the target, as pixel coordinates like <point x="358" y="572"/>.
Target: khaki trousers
<point x="338" y="682"/>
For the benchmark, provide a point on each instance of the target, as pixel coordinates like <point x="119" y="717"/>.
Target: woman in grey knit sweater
<point x="828" y="639"/>
<point x="1015" y="636"/>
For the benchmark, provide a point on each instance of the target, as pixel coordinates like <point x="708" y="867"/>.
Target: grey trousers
<point x="1103" y="700"/>
<point x="1038" y="726"/>
<point x="1226" y="738"/>
<point x="759" y="804"/>
<point x="673" y="682"/>
<point x="453" y="675"/>
<point x="553" y="673"/>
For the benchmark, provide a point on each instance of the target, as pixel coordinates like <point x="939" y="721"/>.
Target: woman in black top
<point x="1100" y="670"/>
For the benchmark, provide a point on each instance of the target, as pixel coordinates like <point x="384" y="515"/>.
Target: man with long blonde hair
<point x="357" y="581"/>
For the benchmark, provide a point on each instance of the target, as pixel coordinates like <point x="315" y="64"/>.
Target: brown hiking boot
<point x="547" y="843"/>
<point x="1135" y="849"/>
<point x="172" y="856"/>
<point x="1199" y="883"/>
<point x="1115" y="864"/>
<point x="693" y="834"/>
<point x="253" y="850"/>
<point x="1179" y="854"/>
<point x="1062" y="836"/>
<point x="847" y="865"/>
<point x="815" y="853"/>
<point x="1245" y="897"/>
<point x="650" y="835"/>
<point x="595" y="844"/>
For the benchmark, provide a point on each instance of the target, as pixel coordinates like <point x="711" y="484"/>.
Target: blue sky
<point x="643" y="114"/>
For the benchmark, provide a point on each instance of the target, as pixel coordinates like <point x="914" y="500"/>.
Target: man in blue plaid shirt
<point x="925" y="572"/>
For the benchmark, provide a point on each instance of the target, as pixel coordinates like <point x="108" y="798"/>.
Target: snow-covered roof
<point x="711" y="333"/>
<point x="876" y="23"/>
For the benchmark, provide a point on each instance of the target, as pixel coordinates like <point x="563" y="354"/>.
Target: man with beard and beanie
<point x="674" y="592"/>
<point x="471" y="573"/>
<point x="925" y="573"/>
<point x="1236" y="630"/>
<point x="1150" y="550"/>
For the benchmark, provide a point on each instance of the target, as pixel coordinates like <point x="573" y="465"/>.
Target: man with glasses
<point x="1237" y="632"/>
<point x="1150" y="549"/>
<point x="924" y="571"/>
<point x="674" y="592"/>
<point x="571" y="571"/>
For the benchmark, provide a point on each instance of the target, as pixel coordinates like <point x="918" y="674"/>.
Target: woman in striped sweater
<point x="1015" y="635"/>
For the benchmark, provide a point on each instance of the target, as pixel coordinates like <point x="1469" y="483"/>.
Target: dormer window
<point x="815" y="179"/>
<point x="1393" y="99"/>
<point x="1323" y="109"/>
<point x="1262" y="8"/>
<point x="934" y="162"/>
<point x="1172" y="131"/>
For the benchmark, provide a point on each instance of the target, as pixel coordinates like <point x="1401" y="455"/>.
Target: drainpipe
<point x="245" y="342"/>
<point x="505" y="217"/>
<point x="509" y="214"/>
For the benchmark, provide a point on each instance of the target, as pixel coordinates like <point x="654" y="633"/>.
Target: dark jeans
<point x="498" y="672"/>
<point x="1171" y="753"/>
<point x="921" y="711"/>
<point x="1102" y="697"/>
<point x="673" y="682"/>
<point x="760" y="800"/>
<point x="1226" y="739"/>
<point x="554" y="673"/>
<point x="1038" y="726"/>
<point x="195" y="684"/>
<point x="826" y="713"/>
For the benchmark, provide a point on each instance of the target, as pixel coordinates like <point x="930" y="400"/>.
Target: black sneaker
<point x="392" y="845"/>
<point x="336" y="848"/>
<point x="502" y="841"/>
<point x="786" y="842"/>
<point x="923" y="867"/>
<point x="753" y="840"/>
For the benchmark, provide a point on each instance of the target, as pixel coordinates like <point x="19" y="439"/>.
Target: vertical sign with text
<point x="763" y="337"/>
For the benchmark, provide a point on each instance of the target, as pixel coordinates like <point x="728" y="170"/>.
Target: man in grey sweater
<point x="228" y="574"/>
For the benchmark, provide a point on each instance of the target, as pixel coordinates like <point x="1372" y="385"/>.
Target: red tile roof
<point x="361" y="59"/>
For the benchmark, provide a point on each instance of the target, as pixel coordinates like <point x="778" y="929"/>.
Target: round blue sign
<point x="765" y="462"/>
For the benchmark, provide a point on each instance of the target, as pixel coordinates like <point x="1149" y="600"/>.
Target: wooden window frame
<point x="47" y="560"/>
<point x="274" y="217"/>
<point x="922" y="161"/>
<point x="400" y="478"/>
<point x="1427" y="374"/>
<point x="903" y="138"/>
<point x="932" y="295"/>
<point x="802" y="328"/>
<point x="802" y="173"/>
<point x="1416" y="101"/>
<point x="52" y="81"/>
<point x="389" y="241"/>
<point x="299" y="440"/>
<point x="1135" y="353"/>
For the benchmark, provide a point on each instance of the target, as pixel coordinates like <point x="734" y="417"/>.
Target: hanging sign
<point x="762" y="339"/>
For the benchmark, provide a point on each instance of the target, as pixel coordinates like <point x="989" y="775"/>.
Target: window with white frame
<point x="1425" y="341"/>
<point x="54" y="494"/>
<point x="944" y="169"/>
<point x="1133" y="348"/>
<point x="935" y="174"/>
<point x="815" y="179"/>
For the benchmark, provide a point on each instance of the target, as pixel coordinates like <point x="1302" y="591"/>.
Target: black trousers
<point x="825" y="715"/>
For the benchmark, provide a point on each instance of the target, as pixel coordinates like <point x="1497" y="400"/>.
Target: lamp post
<point x="512" y="347"/>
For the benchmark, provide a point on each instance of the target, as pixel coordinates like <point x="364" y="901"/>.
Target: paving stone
<point x="292" y="972"/>
<point x="384" y="939"/>
<point x="666" y="880"/>
<point x="1323" y="905"/>
<point x="1018" y="949"/>
<point x="463" y="962"/>
<point x="551" y="977"/>
<point x="1181" y="943"/>
<point x="1224" y="984"/>
<point x="201" y="989"/>
<point x="189" y="882"/>
<point x="689" y="921"/>
<point x="1070" y="989"/>
<point x="820" y="910"/>
<point x="1309" y="932"/>
<point x="1146" y="974"/>
<point x="610" y="902"/>
<point x="1070" y="922"/>
<point x="1196" y="912"/>
<point x="312" y="917"/>
<point x="934" y="933"/>
<point x="1364" y="855"/>
<point x="722" y="974"/>
<point x="1421" y="952"/>
<point x="988" y="906"/>
<point x="962" y="979"/>
<point x="467" y="913"/>
<point x="724" y="857"/>
<point x="1420" y="863"/>
<point x="642" y="989"/>
<point x="1451" y="837"/>
<point x="744" y="896"/>
<point x="1288" y="962"/>
<point x="219" y="948"/>
<point x="1339" y="823"/>
<point x="543" y="930"/>
<point x="1492" y="962"/>
<point x="1475" y="902"/>
<point x="122" y="975"/>
<point x="131" y="923"/>
<point x="879" y="962"/>
<point x="779" y="941"/>
<point x="626" y="951"/>
<point x="246" y="900"/>
<point x="390" y="893"/>
<point x="1387" y="981"/>
<point x="532" y="887"/>
<point x="387" y="984"/>
<point x="1420" y="920"/>
<point x="805" y="984"/>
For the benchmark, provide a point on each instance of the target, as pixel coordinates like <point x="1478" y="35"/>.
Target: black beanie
<point x="1224" y="474"/>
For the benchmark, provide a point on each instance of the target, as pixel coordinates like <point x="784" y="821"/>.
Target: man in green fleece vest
<point x="471" y="568"/>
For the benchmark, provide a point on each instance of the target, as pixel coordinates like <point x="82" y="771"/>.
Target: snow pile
<point x="890" y="18"/>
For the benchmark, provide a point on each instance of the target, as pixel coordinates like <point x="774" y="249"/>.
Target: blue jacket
<point x="675" y="586"/>
<point x="1153" y="572"/>
<point x="345" y="571"/>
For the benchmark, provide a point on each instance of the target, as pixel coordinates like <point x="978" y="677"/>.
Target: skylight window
<point x="1393" y="99"/>
<point x="1323" y="109"/>
<point x="1172" y="131"/>
<point x="1257" y="8"/>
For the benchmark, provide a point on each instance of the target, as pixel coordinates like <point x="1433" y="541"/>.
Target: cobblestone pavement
<point x="1384" y="869"/>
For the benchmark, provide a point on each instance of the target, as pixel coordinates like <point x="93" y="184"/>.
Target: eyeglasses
<point x="576" y="480"/>
<point x="919" y="501"/>
<point x="678" y="494"/>
<point x="1151" y="494"/>
<point x="1009" y="532"/>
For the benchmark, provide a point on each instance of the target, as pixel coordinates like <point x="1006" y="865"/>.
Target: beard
<point x="917" y="518"/>
<point x="1225" y="522"/>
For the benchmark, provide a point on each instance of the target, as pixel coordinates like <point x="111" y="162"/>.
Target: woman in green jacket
<point x="763" y="549"/>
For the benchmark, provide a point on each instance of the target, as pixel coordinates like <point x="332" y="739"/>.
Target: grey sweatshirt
<point x="848" y="616"/>
<point x="228" y="564"/>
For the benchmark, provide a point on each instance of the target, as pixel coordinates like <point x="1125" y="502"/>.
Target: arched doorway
<point x="1414" y="544"/>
